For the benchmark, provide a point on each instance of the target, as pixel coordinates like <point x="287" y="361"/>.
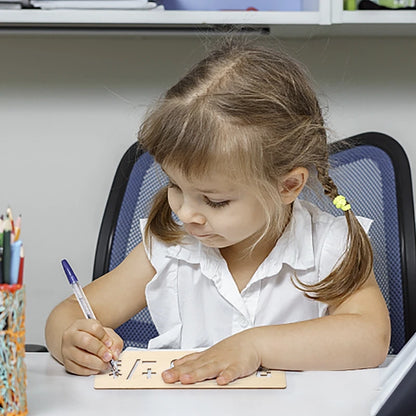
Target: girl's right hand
<point x="87" y="347"/>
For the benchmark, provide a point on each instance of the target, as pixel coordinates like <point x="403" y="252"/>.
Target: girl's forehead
<point x="211" y="182"/>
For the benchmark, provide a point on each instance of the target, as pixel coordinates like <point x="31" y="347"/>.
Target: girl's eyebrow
<point x="211" y="191"/>
<point x="202" y="191"/>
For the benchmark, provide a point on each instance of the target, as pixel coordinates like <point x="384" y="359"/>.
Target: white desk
<point x="51" y="391"/>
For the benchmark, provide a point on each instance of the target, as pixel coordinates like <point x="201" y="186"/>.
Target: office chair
<point x="370" y="169"/>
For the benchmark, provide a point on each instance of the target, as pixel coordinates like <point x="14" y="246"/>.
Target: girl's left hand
<point x="232" y="358"/>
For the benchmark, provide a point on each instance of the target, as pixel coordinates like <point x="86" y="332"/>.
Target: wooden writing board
<point x="142" y="369"/>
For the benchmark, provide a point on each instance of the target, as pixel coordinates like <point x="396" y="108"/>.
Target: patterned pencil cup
<point x="12" y="351"/>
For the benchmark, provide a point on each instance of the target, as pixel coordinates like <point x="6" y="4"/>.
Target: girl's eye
<point x="212" y="204"/>
<point x="219" y="204"/>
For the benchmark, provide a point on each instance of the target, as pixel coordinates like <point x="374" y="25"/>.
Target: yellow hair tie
<point x="341" y="203"/>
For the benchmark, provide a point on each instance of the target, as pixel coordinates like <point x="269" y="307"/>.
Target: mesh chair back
<point x="145" y="180"/>
<point x="137" y="180"/>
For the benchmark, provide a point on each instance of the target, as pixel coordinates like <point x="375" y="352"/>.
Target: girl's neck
<point x="243" y="265"/>
<point x="243" y="260"/>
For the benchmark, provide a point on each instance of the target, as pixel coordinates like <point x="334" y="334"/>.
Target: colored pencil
<point x="17" y="228"/>
<point x="10" y="215"/>
<point x="1" y="266"/>
<point x="6" y="251"/>
<point x="21" y="266"/>
<point x="1" y="230"/>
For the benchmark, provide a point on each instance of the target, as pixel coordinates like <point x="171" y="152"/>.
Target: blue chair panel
<point x="145" y="180"/>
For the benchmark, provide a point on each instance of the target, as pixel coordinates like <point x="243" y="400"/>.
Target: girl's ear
<point x="292" y="184"/>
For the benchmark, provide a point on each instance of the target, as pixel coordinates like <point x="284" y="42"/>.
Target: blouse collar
<point x="294" y="248"/>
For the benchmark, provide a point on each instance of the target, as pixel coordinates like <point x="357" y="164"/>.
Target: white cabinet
<point x="322" y="18"/>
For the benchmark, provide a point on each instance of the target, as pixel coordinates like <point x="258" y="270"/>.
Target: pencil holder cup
<point x="12" y="351"/>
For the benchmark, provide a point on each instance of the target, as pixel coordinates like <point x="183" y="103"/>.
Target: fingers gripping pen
<point x="83" y="302"/>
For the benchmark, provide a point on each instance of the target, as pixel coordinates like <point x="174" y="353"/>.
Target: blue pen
<point x="83" y="303"/>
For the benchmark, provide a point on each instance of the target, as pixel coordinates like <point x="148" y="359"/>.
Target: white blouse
<point x="195" y="303"/>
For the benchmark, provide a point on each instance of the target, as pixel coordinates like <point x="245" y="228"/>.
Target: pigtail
<point x="357" y="262"/>
<point x="160" y="223"/>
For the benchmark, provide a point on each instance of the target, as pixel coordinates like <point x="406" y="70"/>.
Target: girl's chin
<point x="212" y="241"/>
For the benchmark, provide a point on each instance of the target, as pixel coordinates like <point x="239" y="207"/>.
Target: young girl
<point x="249" y="272"/>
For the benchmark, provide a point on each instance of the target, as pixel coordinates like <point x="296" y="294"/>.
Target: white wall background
<point x="71" y="105"/>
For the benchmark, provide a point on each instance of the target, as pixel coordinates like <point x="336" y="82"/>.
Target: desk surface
<point x="51" y="391"/>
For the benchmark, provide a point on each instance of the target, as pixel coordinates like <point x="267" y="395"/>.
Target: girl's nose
<point x="187" y="214"/>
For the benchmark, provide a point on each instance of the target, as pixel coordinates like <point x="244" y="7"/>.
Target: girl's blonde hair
<point x="250" y="113"/>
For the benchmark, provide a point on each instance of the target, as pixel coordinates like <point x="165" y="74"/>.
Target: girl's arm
<point x="85" y="346"/>
<point x="356" y="334"/>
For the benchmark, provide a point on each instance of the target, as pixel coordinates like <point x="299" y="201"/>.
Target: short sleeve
<point x="157" y="250"/>
<point x="161" y="293"/>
